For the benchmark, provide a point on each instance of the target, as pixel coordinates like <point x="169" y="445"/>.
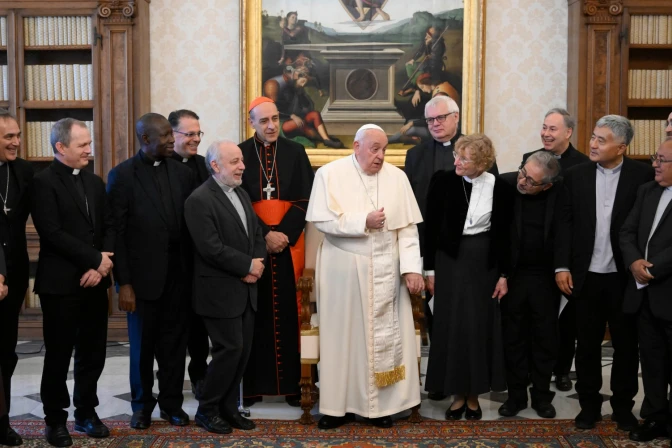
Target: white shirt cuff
<point x="561" y="270"/>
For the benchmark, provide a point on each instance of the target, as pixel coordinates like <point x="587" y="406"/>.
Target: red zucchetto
<point x="257" y="101"/>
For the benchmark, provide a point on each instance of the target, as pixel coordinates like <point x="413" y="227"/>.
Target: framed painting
<point x="333" y="65"/>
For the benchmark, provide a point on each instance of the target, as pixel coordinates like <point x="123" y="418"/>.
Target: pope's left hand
<point x="414" y="282"/>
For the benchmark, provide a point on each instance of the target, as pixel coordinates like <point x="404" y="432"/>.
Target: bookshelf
<point x="620" y="62"/>
<point x="82" y="59"/>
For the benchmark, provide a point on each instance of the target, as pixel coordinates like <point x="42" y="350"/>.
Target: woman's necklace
<point x="469" y="203"/>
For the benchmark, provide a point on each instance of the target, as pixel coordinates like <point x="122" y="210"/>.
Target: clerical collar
<point x="475" y="180"/>
<point x="1" y="163"/>
<point x="65" y="169"/>
<point x="185" y="160"/>
<point x="448" y="143"/>
<point x="610" y="171"/>
<point x="263" y="143"/>
<point x="223" y="186"/>
<point x="148" y="161"/>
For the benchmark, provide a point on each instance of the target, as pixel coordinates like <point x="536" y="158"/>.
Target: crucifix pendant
<point x="5" y="209"/>
<point x="268" y="191"/>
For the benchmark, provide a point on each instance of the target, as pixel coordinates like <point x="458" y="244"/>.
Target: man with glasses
<point x="646" y="242"/>
<point x="530" y="309"/>
<point x="187" y="133"/>
<point x="590" y="271"/>
<point x="442" y="115"/>
<point x="556" y="131"/>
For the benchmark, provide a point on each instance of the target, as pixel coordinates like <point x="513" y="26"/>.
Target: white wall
<point x="526" y="72"/>
<point x="195" y="64"/>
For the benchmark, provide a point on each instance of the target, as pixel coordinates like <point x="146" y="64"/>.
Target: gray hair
<point x="5" y="115"/>
<point x="213" y="153"/>
<point x="441" y="99"/>
<point x="570" y="123"/>
<point x="620" y="127"/>
<point x="61" y="131"/>
<point x="547" y="161"/>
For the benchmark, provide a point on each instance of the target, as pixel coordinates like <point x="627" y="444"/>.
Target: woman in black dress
<point x="466" y="254"/>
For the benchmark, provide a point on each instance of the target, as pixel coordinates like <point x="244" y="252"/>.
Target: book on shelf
<point x="648" y="135"/>
<point x="4" y="84"/>
<point x="3" y="31"/>
<point x="650" y="84"/>
<point x="651" y="29"/>
<point x="59" y="82"/>
<point x="57" y="31"/>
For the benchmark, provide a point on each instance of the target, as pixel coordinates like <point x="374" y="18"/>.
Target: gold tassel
<point x="390" y="377"/>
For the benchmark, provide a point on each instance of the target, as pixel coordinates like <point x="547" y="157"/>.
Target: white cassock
<point x="368" y="359"/>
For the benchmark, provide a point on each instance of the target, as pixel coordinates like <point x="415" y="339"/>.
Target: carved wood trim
<point x="603" y="7"/>
<point x="118" y="11"/>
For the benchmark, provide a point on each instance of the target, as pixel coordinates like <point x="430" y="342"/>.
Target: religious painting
<point x="333" y="65"/>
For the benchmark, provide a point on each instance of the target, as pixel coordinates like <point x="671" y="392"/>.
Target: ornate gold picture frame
<point x="260" y="16"/>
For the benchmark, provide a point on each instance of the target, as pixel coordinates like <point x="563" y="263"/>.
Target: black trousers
<point x="530" y="327"/>
<point x="567" y="345"/>
<point x="601" y="302"/>
<point x="80" y="322"/>
<point x="9" y="330"/>
<point x="199" y="348"/>
<point x="655" y="346"/>
<point x="231" y="346"/>
<point x="4" y="412"/>
<point x="159" y="329"/>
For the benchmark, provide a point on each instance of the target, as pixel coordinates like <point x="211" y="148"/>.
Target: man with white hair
<point x="229" y="253"/>
<point x="366" y="267"/>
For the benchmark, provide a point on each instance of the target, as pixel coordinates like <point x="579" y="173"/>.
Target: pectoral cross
<point x="268" y="191"/>
<point x="5" y="209"/>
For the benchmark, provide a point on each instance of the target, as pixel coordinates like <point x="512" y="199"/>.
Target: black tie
<point x="80" y="189"/>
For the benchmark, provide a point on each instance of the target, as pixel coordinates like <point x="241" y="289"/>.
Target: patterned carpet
<point x="290" y="434"/>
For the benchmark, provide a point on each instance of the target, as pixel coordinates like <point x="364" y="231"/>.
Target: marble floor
<point x="114" y="391"/>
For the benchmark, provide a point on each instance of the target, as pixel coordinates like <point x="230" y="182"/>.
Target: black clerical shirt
<point x="159" y="174"/>
<point x="10" y="193"/>
<point x="533" y="255"/>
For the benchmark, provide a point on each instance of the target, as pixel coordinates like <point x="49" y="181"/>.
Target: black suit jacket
<point x="142" y="232"/>
<point x="448" y="211"/>
<point x="553" y="203"/>
<point x="200" y="172"/>
<point x="14" y="242"/>
<point x="634" y="236"/>
<point x="71" y="240"/>
<point x="223" y="251"/>
<point x="568" y="159"/>
<point x="576" y="221"/>
<point x="419" y="168"/>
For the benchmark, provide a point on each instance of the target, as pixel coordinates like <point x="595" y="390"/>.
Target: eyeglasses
<point x="438" y="118"/>
<point x="191" y="134"/>
<point x="462" y="160"/>
<point x="656" y="158"/>
<point x="528" y="180"/>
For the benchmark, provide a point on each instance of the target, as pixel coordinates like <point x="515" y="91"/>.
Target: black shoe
<point x="511" y="408"/>
<point x="175" y="418"/>
<point x="649" y="431"/>
<point x="382" y="422"/>
<point x="563" y="383"/>
<point x="473" y="414"/>
<point x="436" y="396"/>
<point x="293" y="400"/>
<point x="455" y="414"/>
<point x="92" y="426"/>
<point x="214" y="423"/>
<point x="587" y="419"/>
<point x="196" y="386"/>
<point x="141" y="420"/>
<point x="9" y="437"/>
<point x="331" y="422"/>
<point x="58" y="435"/>
<point x="249" y="401"/>
<point x="239" y="422"/>
<point x="544" y="409"/>
<point x="625" y="421"/>
<point x="333" y="143"/>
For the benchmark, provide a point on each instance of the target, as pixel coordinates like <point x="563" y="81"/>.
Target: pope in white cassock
<point x="366" y="266"/>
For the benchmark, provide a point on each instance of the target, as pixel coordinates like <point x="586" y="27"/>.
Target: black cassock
<point x="274" y="365"/>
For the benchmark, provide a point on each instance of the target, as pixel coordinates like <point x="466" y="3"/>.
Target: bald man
<point x="151" y="267"/>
